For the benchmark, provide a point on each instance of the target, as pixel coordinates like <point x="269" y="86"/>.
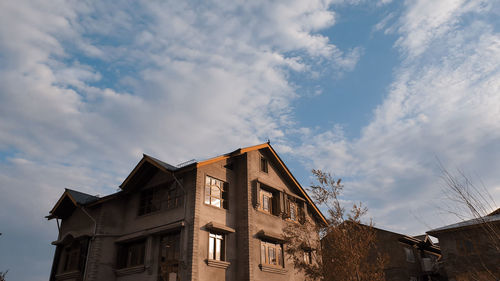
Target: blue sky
<point x="372" y="91"/>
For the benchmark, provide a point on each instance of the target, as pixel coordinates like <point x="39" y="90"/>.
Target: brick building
<point x="218" y="219"/>
<point x="471" y="249"/>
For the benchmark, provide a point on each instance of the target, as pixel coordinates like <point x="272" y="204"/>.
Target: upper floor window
<point x="73" y="256"/>
<point x="465" y="246"/>
<point x="264" y="165"/>
<point x="307" y="256"/>
<point x="410" y="257"/>
<point x="216" y="193"/>
<point x="293" y="210"/>
<point x="161" y="197"/>
<point x="271" y="253"/>
<point x="131" y="254"/>
<point x="216" y="246"/>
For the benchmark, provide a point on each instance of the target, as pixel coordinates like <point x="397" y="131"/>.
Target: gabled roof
<point x="145" y="167"/>
<point x="493" y="217"/>
<point x="69" y="200"/>
<point x="268" y="146"/>
<point x="148" y="160"/>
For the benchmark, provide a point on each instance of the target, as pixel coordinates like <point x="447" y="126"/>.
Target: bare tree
<point x="474" y="204"/>
<point x="348" y="247"/>
<point x="2" y="275"/>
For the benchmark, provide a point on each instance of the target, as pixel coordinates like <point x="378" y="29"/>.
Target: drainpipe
<point x="185" y="194"/>
<point x="185" y="206"/>
<point x="90" y="242"/>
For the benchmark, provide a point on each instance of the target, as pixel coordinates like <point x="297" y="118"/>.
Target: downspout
<point x="90" y="242"/>
<point x="184" y="200"/>
<point x="185" y="194"/>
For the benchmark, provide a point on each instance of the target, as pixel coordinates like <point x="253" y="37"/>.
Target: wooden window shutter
<point x="302" y="214"/>
<point x="275" y="204"/>
<point x="282" y="203"/>
<point x="287" y="206"/>
<point x="225" y="196"/>
<point x="256" y="195"/>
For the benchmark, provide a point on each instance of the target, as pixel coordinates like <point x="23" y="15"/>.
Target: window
<point x="71" y="257"/>
<point x="293" y="210"/>
<point x="264" y="165"/>
<point x="271" y="254"/>
<point x="131" y="254"/>
<point x="216" y="246"/>
<point x="161" y="197"/>
<point x="308" y="256"/>
<point x="465" y="246"/>
<point x="169" y="256"/>
<point x="409" y="255"/>
<point x="266" y="201"/>
<point x="216" y="193"/>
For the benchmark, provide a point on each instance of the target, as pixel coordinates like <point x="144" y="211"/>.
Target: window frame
<point x="124" y="258"/>
<point x="268" y="247"/>
<point x="223" y="191"/>
<point x="293" y="205"/>
<point x="161" y="197"/>
<point x="264" y="165"/>
<point x="216" y="246"/>
<point x="165" y="265"/>
<point x="71" y="257"/>
<point x="410" y="255"/>
<point x="266" y="198"/>
<point x="307" y="256"/>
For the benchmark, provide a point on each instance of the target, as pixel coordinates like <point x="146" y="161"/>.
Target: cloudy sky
<point x="374" y="92"/>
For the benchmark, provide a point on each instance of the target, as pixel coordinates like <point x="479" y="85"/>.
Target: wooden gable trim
<point x="297" y="184"/>
<point x="231" y="154"/>
<point x="64" y="195"/>
<point x="145" y="158"/>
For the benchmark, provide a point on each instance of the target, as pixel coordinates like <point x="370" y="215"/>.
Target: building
<point x="471" y="249"/>
<point x="408" y="258"/>
<point x="218" y="219"/>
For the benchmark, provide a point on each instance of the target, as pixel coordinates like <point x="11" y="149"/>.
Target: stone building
<point x="471" y="249"/>
<point x="218" y="219"/>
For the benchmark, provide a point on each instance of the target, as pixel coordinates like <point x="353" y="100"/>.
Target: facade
<point x="219" y="219"/>
<point x="408" y="258"/>
<point x="471" y="249"/>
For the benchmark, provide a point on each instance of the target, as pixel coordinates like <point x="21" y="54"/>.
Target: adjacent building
<point x="218" y="219"/>
<point x="471" y="249"/>
<point x="412" y="258"/>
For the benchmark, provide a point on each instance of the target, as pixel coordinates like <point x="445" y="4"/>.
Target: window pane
<point x="215" y="191"/>
<point x="211" y="243"/>
<point x="262" y="253"/>
<point x="215" y="202"/>
<point x="265" y="203"/>
<point x="272" y="255"/>
<point x="217" y="249"/>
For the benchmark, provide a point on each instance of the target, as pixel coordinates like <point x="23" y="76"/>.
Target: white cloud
<point x="86" y="87"/>
<point x="444" y="104"/>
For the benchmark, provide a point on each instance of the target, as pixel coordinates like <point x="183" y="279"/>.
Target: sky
<point x="375" y="92"/>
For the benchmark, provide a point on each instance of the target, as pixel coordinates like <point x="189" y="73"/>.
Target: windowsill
<point x="218" y="264"/>
<point x="68" y="275"/>
<point x="267" y="213"/>
<point x="157" y="212"/>
<point x="272" y="269"/>
<point x="130" y="270"/>
<point x="215" y="207"/>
